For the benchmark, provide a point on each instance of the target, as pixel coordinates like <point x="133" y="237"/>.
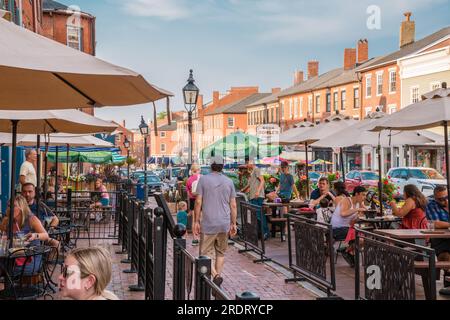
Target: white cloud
<point x="165" y="9"/>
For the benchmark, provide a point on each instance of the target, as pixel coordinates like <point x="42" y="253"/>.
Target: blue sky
<point x="243" y="42"/>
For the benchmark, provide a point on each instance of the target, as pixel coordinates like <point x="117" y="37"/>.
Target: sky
<point x="243" y="42"/>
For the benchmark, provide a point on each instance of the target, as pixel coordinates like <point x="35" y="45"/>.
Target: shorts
<point x="440" y="245"/>
<point x="213" y="243"/>
<point x="104" y="202"/>
<point x="191" y="204"/>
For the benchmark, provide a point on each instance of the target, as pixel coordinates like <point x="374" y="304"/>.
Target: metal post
<point x="56" y="179"/>
<point x="159" y="253"/>
<point x="447" y="173"/>
<point x="13" y="181"/>
<point x="190" y="140"/>
<point x="341" y="160"/>
<point x="307" y="170"/>
<point x="128" y="165"/>
<point x="45" y="171"/>
<point x="145" y="169"/>
<point x="179" y="266"/>
<point x="130" y="216"/>
<point x="380" y="181"/>
<point x="67" y="166"/>
<point x="38" y="172"/>
<point x="202" y="269"/>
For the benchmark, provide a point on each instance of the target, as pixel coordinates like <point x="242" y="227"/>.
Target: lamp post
<point x="190" y="95"/>
<point x="126" y="144"/>
<point x="143" y="127"/>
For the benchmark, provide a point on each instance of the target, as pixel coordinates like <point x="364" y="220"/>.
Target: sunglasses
<point x="442" y="199"/>
<point x="66" y="273"/>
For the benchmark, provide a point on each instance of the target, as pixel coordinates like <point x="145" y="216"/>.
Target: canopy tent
<point x="432" y="111"/>
<point x="240" y="145"/>
<point x="39" y="73"/>
<point x="95" y="157"/>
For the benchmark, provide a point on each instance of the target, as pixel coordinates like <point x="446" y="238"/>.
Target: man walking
<point x="27" y="169"/>
<point x="215" y="216"/>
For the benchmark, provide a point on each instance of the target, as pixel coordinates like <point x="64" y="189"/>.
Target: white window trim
<point x="310" y="104"/>
<point x="367" y="110"/>
<point x="381" y="93"/>
<point x="411" y="93"/>
<point x="295" y="107"/>
<point x="390" y="107"/>
<point x="79" y="36"/>
<point x="282" y="110"/>
<point x="228" y="122"/>
<point x="163" y="147"/>
<point x="368" y="76"/>
<point x="391" y="71"/>
<point x="163" y="134"/>
<point x="315" y="103"/>
<point x="432" y="84"/>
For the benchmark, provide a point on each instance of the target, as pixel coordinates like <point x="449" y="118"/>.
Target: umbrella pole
<point x="380" y="181"/>
<point x="341" y="160"/>
<point x="38" y="172"/>
<point x="307" y="170"/>
<point x="13" y="181"/>
<point x="45" y="171"/>
<point x="56" y="178"/>
<point x="67" y="166"/>
<point x="447" y="173"/>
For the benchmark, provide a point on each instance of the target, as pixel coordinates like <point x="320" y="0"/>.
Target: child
<point x="324" y="212"/>
<point x="182" y="215"/>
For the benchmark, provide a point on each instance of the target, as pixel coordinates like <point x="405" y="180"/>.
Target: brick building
<point x="164" y="143"/>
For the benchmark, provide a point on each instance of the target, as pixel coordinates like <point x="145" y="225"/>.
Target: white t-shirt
<point x="27" y="170"/>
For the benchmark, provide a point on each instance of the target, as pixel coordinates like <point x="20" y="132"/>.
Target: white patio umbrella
<point x="56" y="139"/>
<point x="299" y="129"/>
<point x="39" y="73"/>
<point x="432" y="111"/>
<point x="45" y="122"/>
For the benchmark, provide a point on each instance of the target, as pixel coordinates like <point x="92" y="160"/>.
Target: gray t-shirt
<point x="254" y="184"/>
<point x="216" y="190"/>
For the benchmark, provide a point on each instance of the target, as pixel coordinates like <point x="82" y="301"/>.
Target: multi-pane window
<point x="435" y="85"/>
<point x="282" y="110"/>
<point x="163" y="134"/>
<point x="301" y="107"/>
<point x="296" y="108"/>
<point x="368" y="86"/>
<point x="317" y="104"/>
<point x="290" y="109"/>
<point x="336" y="101"/>
<point x="163" y="147"/>
<point x="414" y="94"/>
<point x="392" y="81"/>
<point x="328" y="102"/>
<point x="343" y="99"/>
<point x="310" y="107"/>
<point x="74" y="37"/>
<point x="356" y="98"/>
<point x="230" y="122"/>
<point x="379" y="84"/>
<point x="271" y="115"/>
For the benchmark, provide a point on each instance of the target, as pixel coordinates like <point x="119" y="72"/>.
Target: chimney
<point x="216" y="98"/>
<point x="407" y="30"/>
<point x="200" y="101"/>
<point x="276" y="90"/>
<point x="349" y="58"/>
<point x="298" y="77"/>
<point x="363" y="50"/>
<point x="313" y="69"/>
<point x="123" y="123"/>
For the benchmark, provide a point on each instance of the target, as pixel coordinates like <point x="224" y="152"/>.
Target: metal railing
<point x="251" y="231"/>
<point x="389" y="268"/>
<point x="314" y="252"/>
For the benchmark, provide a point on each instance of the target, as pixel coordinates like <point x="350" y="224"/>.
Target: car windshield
<point x="153" y="179"/>
<point x="369" y="176"/>
<point x="425" y="174"/>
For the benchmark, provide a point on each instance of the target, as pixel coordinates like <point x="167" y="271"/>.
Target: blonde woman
<point x="86" y="274"/>
<point x="25" y="222"/>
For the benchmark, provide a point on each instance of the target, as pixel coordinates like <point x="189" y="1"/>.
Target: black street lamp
<point x="126" y="144"/>
<point x="143" y="127"/>
<point x="190" y="95"/>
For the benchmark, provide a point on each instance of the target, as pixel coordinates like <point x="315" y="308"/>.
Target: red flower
<point x="386" y="182"/>
<point x="389" y="177"/>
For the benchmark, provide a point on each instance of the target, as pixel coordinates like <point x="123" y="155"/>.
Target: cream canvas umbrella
<point x="39" y="73"/>
<point x="432" y="111"/>
<point x="56" y="139"/>
<point x="44" y="122"/>
<point x="286" y="136"/>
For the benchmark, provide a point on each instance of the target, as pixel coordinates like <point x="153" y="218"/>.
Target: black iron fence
<point x="251" y="231"/>
<point x="312" y="253"/>
<point x="389" y="267"/>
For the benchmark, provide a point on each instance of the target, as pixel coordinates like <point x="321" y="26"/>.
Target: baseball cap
<point x="217" y="160"/>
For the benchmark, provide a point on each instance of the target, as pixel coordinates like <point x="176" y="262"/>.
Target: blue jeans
<point x="259" y="215"/>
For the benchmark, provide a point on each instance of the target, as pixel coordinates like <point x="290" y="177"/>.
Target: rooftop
<point x="239" y="106"/>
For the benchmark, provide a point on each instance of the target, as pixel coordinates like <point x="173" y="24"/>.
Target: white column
<point x="363" y="160"/>
<point x="382" y="161"/>
<point x="393" y="157"/>
<point x="401" y="153"/>
<point x="373" y="160"/>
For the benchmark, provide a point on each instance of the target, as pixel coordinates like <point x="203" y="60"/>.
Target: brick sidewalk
<point x="240" y="274"/>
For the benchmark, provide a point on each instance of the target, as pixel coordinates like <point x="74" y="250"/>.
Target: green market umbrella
<point x="97" y="157"/>
<point x="240" y="145"/>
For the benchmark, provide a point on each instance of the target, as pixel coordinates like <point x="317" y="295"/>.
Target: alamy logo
<point x="374" y="19"/>
<point x="373" y="281"/>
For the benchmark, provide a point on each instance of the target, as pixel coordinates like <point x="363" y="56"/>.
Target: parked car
<point x="154" y="183"/>
<point x="426" y="179"/>
<point x="361" y="178"/>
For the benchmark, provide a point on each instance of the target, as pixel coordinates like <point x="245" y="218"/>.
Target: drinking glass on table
<point x="431" y="225"/>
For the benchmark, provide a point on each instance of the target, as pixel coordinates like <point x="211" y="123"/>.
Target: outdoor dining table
<point x="383" y="222"/>
<point x="412" y="234"/>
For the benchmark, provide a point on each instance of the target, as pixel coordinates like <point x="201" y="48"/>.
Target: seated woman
<point x="340" y="192"/>
<point x="86" y="274"/>
<point x="344" y="216"/>
<point x="413" y="211"/>
<point x="104" y="195"/>
<point x="27" y="223"/>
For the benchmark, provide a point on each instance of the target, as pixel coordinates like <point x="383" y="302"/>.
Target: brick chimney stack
<point x="123" y="123"/>
<point x="313" y="69"/>
<point x="407" y="30"/>
<point x="349" y="58"/>
<point x="200" y="101"/>
<point x="216" y="96"/>
<point x="363" y="50"/>
<point x="276" y="90"/>
<point x="298" y="77"/>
